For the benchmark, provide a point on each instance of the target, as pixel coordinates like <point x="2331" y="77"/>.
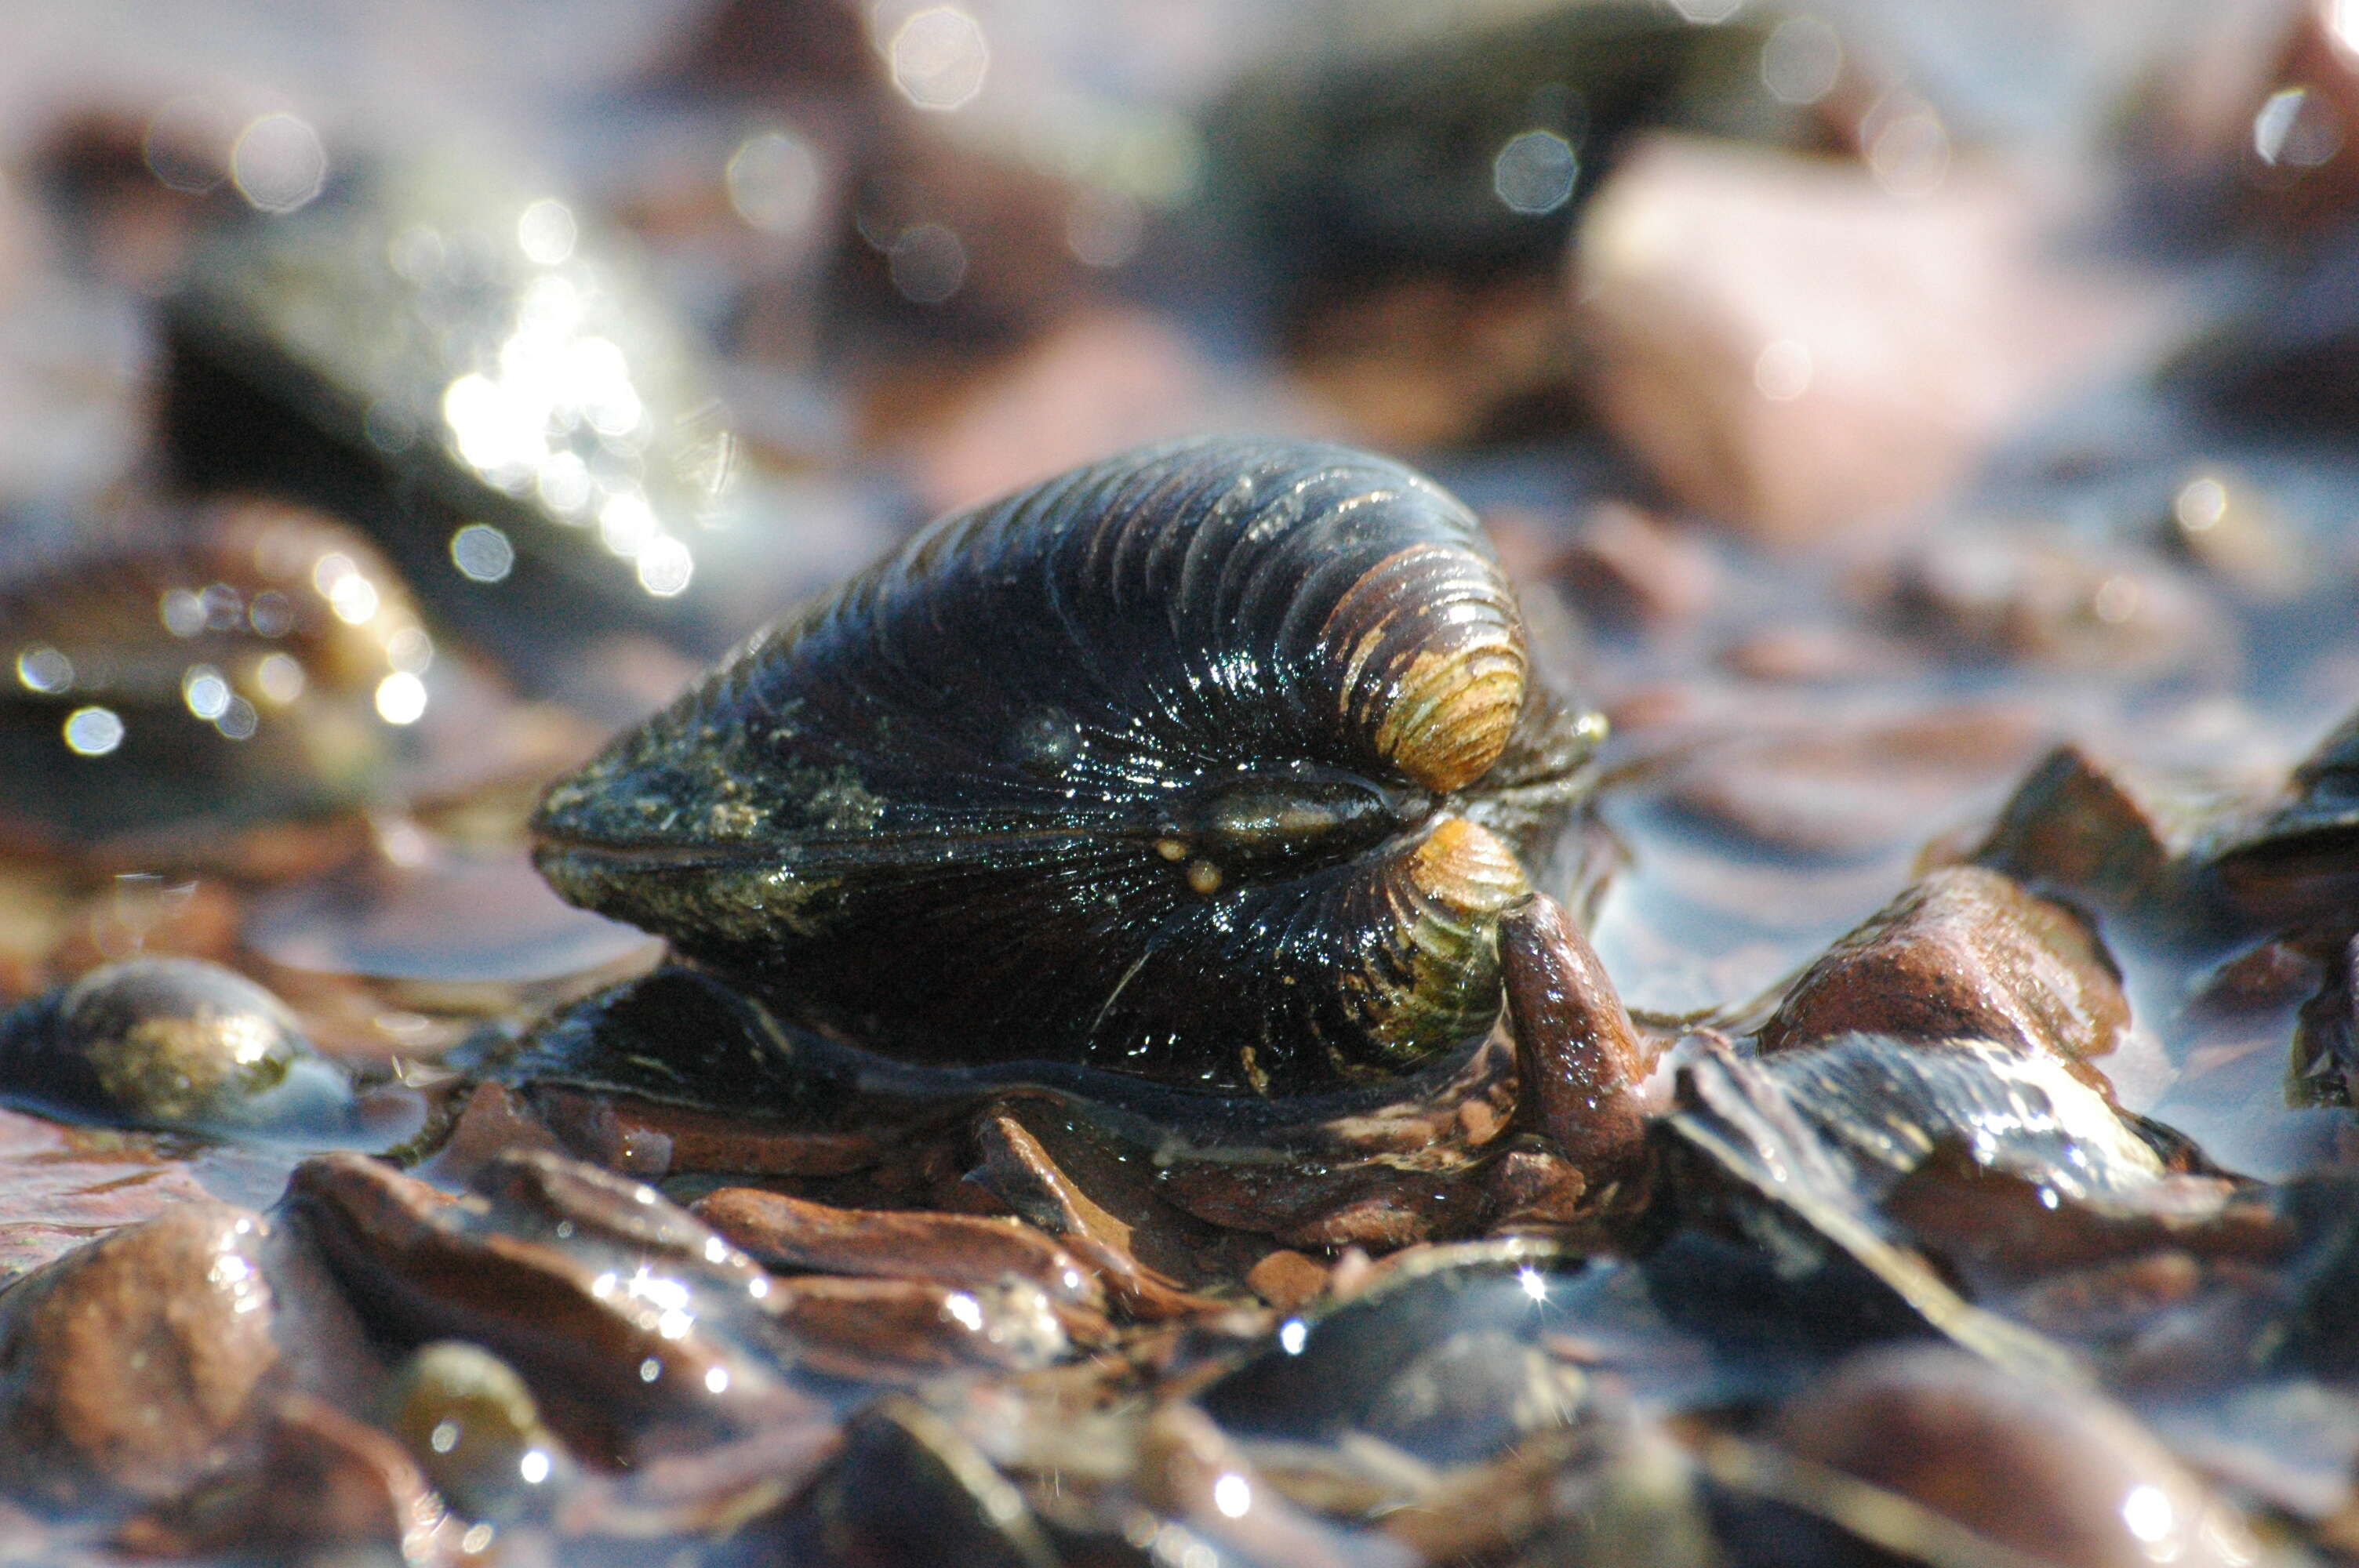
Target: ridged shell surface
<point x="1162" y="766"/>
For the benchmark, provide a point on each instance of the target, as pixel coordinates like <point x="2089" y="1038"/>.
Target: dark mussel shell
<point x="1214" y="763"/>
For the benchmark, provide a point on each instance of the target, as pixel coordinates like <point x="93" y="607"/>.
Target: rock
<point x="909" y="1488"/>
<point x="2052" y="1471"/>
<point x="1793" y="348"/>
<point x="1965" y="953"/>
<point x="1440" y="360"/>
<point x="2088" y="825"/>
<point x="325" y="1481"/>
<point x="1288" y="1279"/>
<point x="471" y="1425"/>
<point x="1836" y="791"/>
<point x="1101" y="381"/>
<point x="624" y="1314"/>
<point x="2326" y="1038"/>
<point x="173" y="1042"/>
<point x="66" y="1185"/>
<point x="799" y="1235"/>
<point x="2292" y="864"/>
<point x="128" y="1367"/>
<point x="1629" y="568"/>
<point x="899" y="1330"/>
<point x="2025" y="598"/>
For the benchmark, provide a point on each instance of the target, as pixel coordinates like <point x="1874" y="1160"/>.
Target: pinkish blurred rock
<point x="1099" y="382"/>
<point x="1628" y="567"/>
<point x="65" y="1184"/>
<point x="1793" y="347"/>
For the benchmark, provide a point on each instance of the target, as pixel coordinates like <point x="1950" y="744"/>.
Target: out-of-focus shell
<point x="172" y="1043"/>
<point x="230" y="666"/>
<point x="436" y="348"/>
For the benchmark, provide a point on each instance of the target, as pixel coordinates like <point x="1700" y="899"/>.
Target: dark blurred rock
<point x="191" y="670"/>
<point x="2094" y="827"/>
<point x="129" y="1367"/>
<point x="1375" y="150"/>
<point x="1628" y="569"/>
<point x="2296" y="864"/>
<point x="2023" y="597"/>
<point x="1965" y="953"/>
<point x="2047" y="1469"/>
<point x="1441" y="360"/>
<point x="1793" y="348"/>
<point x="908" y="1488"/>
<point x="2326" y="1037"/>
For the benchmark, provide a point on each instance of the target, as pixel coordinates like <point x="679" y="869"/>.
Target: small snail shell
<point x="1173" y="766"/>
<point x="172" y="1043"/>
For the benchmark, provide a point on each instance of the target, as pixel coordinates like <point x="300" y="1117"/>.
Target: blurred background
<point x="1868" y="397"/>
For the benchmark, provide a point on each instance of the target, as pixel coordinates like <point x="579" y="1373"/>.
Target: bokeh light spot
<point x="277" y="163"/>
<point x="1535" y="172"/>
<point x="93" y="731"/>
<point x="939" y="59"/>
<point x="482" y="553"/>
<point x="400" y="698"/>
<point x="546" y="231"/>
<point x="927" y="263"/>
<point x="665" y="567"/>
<point x="774" y="181"/>
<point x="1783" y="370"/>
<point x="1801" y="60"/>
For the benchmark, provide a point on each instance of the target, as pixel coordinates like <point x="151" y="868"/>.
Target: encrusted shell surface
<point x="1187" y="764"/>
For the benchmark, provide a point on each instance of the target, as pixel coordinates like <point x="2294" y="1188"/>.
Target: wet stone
<point x="799" y="1235"/>
<point x="1965" y="953"/>
<point x="622" y="1322"/>
<point x="2044" y="1468"/>
<point x="468" y="1421"/>
<point x="172" y="1043"/>
<point x="908" y="1488"/>
<point x="1794" y="349"/>
<point x="2029" y="600"/>
<point x="2294" y="864"/>
<point x="67" y="1185"/>
<point x="129" y="1367"/>
<point x="2326" y="1035"/>
<point x="2080" y="823"/>
<point x="1628" y="569"/>
<point x="324" y="1483"/>
<point x="1835" y="792"/>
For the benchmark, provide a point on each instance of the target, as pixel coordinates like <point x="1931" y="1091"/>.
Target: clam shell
<point x="1172" y="765"/>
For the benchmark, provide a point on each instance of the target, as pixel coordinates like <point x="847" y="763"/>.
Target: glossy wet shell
<point x="1168" y="765"/>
